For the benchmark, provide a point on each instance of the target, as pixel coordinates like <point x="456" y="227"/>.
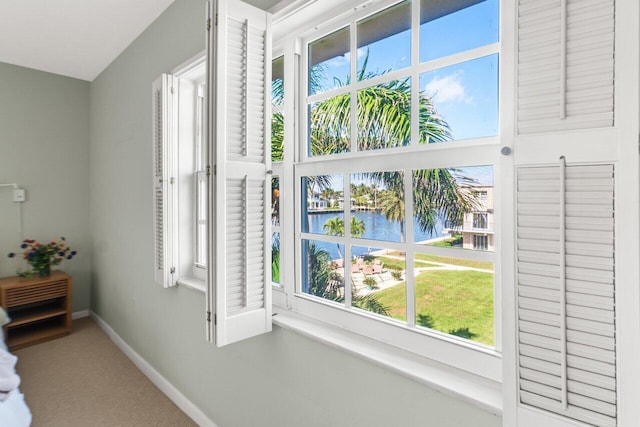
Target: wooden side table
<point x="39" y="307"/>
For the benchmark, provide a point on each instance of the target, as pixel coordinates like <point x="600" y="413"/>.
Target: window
<point x="480" y="220"/>
<point x="382" y="214"/>
<point x="480" y="242"/>
<point x="184" y="179"/>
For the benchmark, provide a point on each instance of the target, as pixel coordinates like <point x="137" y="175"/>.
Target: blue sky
<point x="466" y="94"/>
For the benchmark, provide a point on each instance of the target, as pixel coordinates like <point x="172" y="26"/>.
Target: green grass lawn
<point x="455" y="302"/>
<point x="445" y="260"/>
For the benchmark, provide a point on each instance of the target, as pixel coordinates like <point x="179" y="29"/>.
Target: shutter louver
<point x="565" y="65"/>
<point x="241" y="292"/>
<point x="164" y="201"/>
<point x="566" y="307"/>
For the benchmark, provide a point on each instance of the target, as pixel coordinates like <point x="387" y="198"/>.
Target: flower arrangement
<point x="41" y="256"/>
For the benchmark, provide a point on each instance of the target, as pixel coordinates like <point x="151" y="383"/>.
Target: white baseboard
<point x="154" y="376"/>
<point x="79" y="314"/>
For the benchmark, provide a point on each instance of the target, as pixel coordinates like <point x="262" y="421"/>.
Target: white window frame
<point x="451" y="351"/>
<point x="190" y="271"/>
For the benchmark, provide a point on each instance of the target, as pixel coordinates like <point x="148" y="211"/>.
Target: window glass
<point x="323" y="209"/>
<point x="384" y="41"/>
<point x="377" y="203"/>
<point x="448" y="204"/>
<point x="464" y="97"/>
<point x="384" y="115"/>
<point x="330" y="126"/>
<point x="378" y="282"/>
<point x="329" y="62"/>
<point x="277" y="117"/>
<point x="277" y="81"/>
<point x="447" y="29"/>
<point x="321" y="272"/>
<point x="277" y="137"/>
<point x="455" y="296"/>
<point x="275" y="257"/>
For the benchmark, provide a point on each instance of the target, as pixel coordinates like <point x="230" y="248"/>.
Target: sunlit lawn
<point x="458" y="302"/>
<point x="448" y="260"/>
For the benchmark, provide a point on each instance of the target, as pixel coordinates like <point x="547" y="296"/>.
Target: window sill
<point x="193" y="283"/>
<point x="481" y="392"/>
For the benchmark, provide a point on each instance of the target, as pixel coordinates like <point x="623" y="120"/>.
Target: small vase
<point x="46" y="271"/>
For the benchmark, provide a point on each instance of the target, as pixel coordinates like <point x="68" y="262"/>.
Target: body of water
<point x="377" y="227"/>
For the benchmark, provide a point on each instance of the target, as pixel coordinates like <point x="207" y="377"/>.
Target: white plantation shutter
<point x="164" y="167"/>
<point x="565" y="282"/>
<point x="565" y="65"/>
<point x="239" y="289"/>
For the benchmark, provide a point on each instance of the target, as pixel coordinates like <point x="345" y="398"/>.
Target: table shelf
<point x="40" y="308"/>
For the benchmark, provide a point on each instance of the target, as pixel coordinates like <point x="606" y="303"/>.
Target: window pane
<point x="384" y="41"/>
<point x="455" y="296"/>
<point x="275" y="257"/>
<point x="322" y="275"/>
<point x="452" y="205"/>
<point x="447" y="29"/>
<point x="329" y="126"/>
<point x="329" y="62"/>
<point x="277" y="81"/>
<point x="378" y="282"/>
<point x="275" y="201"/>
<point x="384" y="115"/>
<point x="323" y="210"/>
<point x="277" y="137"/>
<point x="377" y="203"/>
<point x="201" y="218"/>
<point x="461" y="99"/>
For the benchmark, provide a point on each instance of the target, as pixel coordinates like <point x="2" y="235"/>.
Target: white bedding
<point x="14" y="411"/>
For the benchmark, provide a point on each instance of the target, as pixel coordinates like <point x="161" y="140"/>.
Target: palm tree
<point x="383" y="121"/>
<point x="335" y="227"/>
<point x="324" y="283"/>
<point x="391" y="203"/>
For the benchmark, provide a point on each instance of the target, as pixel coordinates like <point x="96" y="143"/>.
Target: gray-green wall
<point x="44" y="148"/>
<point x="280" y="379"/>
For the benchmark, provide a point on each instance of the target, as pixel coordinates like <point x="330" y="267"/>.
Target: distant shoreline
<point x="338" y="210"/>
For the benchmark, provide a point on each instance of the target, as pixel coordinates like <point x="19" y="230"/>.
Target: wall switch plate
<point x="18" y="195"/>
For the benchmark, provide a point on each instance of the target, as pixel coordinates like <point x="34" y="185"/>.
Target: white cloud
<point x="447" y="89"/>
<point x="338" y="61"/>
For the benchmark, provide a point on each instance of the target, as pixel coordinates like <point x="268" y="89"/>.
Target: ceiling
<point x="76" y="38"/>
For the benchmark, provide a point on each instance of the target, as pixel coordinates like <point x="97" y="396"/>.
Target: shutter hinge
<point x="216" y="19"/>
<point x="208" y="170"/>
<point x="172" y="180"/>
<point x="173" y="270"/>
<point x="173" y="90"/>
<point x="208" y="316"/>
<point x="215" y="319"/>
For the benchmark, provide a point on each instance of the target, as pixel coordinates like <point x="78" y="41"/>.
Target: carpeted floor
<point x="84" y="380"/>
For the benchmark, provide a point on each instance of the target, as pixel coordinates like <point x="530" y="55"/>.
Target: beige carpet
<point x="84" y="380"/>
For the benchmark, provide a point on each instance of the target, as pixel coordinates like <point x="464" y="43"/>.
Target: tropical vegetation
<point x="383" y="118"/>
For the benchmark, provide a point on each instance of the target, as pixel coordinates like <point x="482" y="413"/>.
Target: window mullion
<point x="346" y="195"/>
<point x="415" y="75"/>
<point x="409" y="254"/>
<point x="354" y="91"/>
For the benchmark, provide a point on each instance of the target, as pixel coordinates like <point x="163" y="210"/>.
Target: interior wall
<point x="279" y="379"/>
<point x="44" y="148"/>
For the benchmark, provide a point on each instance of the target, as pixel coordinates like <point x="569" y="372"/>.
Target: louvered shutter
<point x="565" y="65"/>
<point x="565" y="281"/>
<point x="240" y="292"/>
<point x="164" y="164"/>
